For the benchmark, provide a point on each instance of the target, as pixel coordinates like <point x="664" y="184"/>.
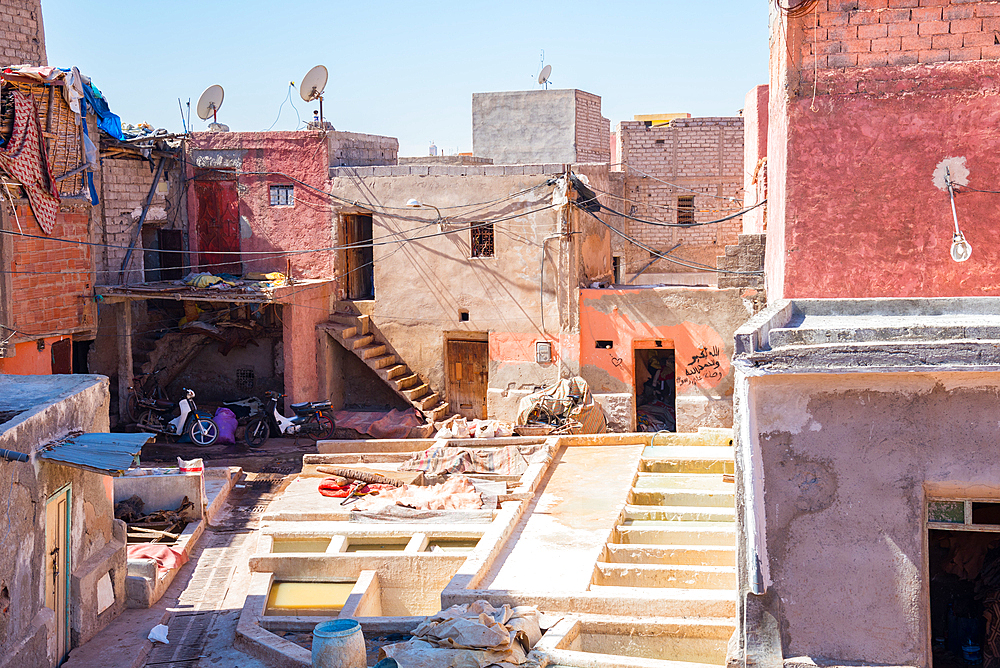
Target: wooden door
<point x="360" y="257"/>
<point x="218" y="227"/>
<point x="57" y="565"/>
<point x="62" y="356"/>
<point x="468" y="377"/>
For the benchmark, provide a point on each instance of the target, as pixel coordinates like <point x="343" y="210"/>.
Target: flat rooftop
<point x="873" y="333"/>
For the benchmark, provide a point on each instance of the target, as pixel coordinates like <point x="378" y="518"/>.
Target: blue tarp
<point x="106" y="120"/>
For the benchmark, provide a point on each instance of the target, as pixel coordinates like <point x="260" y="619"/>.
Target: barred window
<point x="685" y="210"/>
<point x="282" y="195"/>
<point x="482" y="240"/>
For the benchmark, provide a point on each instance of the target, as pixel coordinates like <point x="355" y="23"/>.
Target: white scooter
<point x="198" y="425"/>
<point x="309" y="420"/>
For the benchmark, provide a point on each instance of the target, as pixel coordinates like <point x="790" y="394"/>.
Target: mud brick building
<point x="683" y="171"/>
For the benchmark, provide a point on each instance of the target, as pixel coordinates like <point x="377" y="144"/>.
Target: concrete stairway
<point x="359" y="336"/>
<point x="678" y="533"/>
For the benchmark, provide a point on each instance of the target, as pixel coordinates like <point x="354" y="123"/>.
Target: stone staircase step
<point x="432" y="399"/>
<point x="368" y="352"/>
<point x="405" y="382"/>
<point x="665" y="575"/>
<point x="683" y="513"/>
<point x="682" y="602"/>
<point x="694" y="555"/>
<point x="439" y="412"/>
<point x="694" y="497"/>
<point x="395" y="371"/>
<point x="704" y="436"/>
<point x="683" y="482"/>
<point x="687" y="459"/>
<point x="414" y="393"/>
<point x="380" y="362"/>
<point x="358" y="342"/>
<point x="676" y="533"/>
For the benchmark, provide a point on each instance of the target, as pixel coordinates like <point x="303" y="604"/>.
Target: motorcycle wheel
<point x="256" y="433"/>
<point x="132" y="413"/>
<point x="147" y="422"/>
<point x="319" y="426"/>
<point x="203" y="431"/>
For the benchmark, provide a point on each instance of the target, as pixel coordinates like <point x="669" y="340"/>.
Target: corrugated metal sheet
<point x="110" y="454"/>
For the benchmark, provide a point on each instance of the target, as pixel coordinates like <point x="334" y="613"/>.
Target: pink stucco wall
<point x="303" y="307"/>
<point x="263" y="159"/>
<point x="862" y="216"/>
<point x="754" y="149"/>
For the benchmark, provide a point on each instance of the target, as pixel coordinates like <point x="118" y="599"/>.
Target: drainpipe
<point x="13" y="456"/>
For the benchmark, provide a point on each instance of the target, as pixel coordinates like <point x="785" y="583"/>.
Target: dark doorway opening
<point x="964" y="570"/>
<point x="171" y="262"/>
<point x="360" y="256"/>
<point x="655" y="391"/>
<point x="81" y="350"/>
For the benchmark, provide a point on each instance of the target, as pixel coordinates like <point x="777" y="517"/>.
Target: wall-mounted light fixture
<point x="417" y="204"/>
<point x="949" y="173"/>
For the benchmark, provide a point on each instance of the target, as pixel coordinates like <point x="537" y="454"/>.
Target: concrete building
<point x="681" y="172"/>
<point x="63" y="554"/>
<point x="539" y="127"/>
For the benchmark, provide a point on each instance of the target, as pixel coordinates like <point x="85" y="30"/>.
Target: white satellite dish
<point x="312" y="87"/>
<point x="210" y="102"/>
<point x="543" y="76"/>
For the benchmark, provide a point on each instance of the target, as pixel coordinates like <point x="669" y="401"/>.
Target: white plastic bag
<point x="159" y="634"/>
<point x="486" y="428"/>
<point x="191" y="465"/>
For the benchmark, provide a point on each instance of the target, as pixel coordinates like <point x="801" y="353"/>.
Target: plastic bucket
<point x="338" y="644"/>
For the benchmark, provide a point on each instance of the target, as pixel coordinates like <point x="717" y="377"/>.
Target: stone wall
<point x="699" y="157"/>
<point x="22" y="35"/>
<point x="593" y="131"/>
<point x="125" y="185"/>
<point x="352" y="148"/>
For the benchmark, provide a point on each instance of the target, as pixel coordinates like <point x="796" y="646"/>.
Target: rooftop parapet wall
<point x="352" y="148"/>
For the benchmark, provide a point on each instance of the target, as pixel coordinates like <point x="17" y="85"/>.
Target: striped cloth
<point x="23" y="157"/>
<point x="440" y="459"/>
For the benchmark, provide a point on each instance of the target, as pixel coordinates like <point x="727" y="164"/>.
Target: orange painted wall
<point x="28" y="360"/>
<point x="700" y="357"/>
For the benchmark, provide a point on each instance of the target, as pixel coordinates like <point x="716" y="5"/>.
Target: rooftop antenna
<point x="543" y="76"/>
<point x="210" y="102"/>
<point x="312" y="87"/>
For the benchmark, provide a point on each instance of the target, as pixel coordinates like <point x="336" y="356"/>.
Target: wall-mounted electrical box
<point x="543" y="352"/>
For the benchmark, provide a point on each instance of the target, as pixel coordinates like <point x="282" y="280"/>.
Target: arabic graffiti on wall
<point x="704" y="367"/>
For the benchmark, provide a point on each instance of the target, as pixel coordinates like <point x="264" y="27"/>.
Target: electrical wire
<point x="288" y="98"/>
<point x="690" y="265"/>
<point x="674" y="185"/>
<point x="684" y="225"/>
<point x="798" y="9"/>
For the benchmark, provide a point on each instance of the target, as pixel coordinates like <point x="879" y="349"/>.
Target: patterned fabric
<point x="570" y="398"/>
<point x="23" y="157"/>
<point x="508" y="460"/>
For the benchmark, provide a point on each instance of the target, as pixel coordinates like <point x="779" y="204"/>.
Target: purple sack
<point x="226" y="421"/>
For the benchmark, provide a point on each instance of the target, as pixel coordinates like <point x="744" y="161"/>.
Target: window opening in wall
<point x="482" y="240"/>
<point x="463" y="316"/>
<point x="604" y="345"/>
<point x="246" y="379"/>
<point x="685" y="210"/>
<point x="616" y="268"/>
<point x="655" y="390"/>
<point x="283" y="195"/>
<point x="963" y="564"/>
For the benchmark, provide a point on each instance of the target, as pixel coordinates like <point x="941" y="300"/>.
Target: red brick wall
<point x="22" y="37"/>
<point x="46" y="301"/>
<point x="704" y="155"/>
<point x="869" y="33"/>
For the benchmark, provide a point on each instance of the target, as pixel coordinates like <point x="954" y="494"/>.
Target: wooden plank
<point x="468" y="373"/>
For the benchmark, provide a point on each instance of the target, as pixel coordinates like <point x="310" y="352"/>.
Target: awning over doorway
<point x="110" y="454"/>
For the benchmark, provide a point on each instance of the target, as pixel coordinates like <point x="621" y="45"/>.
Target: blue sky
<point x="408" y="69"/>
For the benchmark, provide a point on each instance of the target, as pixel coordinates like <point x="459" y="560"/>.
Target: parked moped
<point x="309" y="420"/>
<point x="198" y="425"/>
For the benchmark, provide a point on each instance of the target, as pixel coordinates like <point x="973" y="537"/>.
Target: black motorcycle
<point x="310" y="420"/>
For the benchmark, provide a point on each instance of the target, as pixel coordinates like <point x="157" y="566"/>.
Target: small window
<point x="685" y="210"/>
<point x="282" y="195"/>
<point x="482" y="240"/>
<point x="616" y="267"/>
<point x="605" y="345"/>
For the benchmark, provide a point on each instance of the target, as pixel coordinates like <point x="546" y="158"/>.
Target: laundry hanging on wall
<point x="23" y="157"/>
